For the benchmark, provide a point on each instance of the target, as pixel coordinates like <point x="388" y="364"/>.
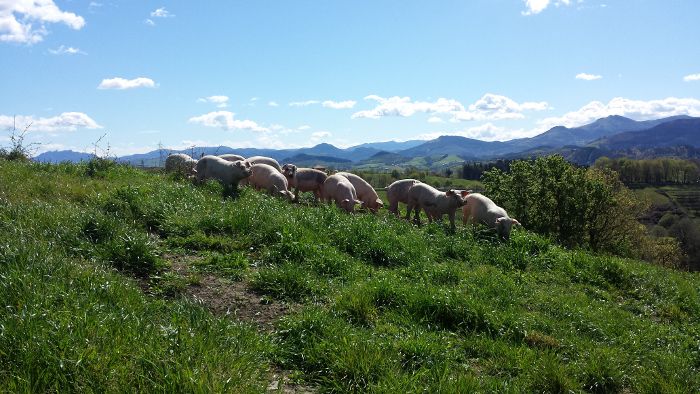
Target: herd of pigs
<point x="347" y="190"/>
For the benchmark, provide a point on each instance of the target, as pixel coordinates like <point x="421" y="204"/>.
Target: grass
<point x="383" y="306"/>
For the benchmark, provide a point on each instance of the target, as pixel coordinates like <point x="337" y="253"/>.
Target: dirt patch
<point x="235" y="299"/>
<point x="224" y="297"/>
<point x="280" y="382"/>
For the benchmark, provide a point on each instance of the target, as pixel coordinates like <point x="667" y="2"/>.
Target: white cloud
<point x="161" y="13"/>
<point x="304" y="127"/>
<point x="303" y="103"/>
<point x="24" y="21"/>
<point x="273" y="104"/>
<point x="321" y="134"/>
<point x="435" y="119"/>
<point x="537" y="6"/>
<point x="149" y="22"/>
<point x="220" y="101"/>
<point x="692" y="77"/>
<point x="497" y="107"/>
<point x="339" y="104"/>
<point x="404" y="107"/>
<point x="225" y="120"/>
<point x="488" y="107"/>
<point x="67" y="121"/>
<point x="64" y="50"/>
<point x="485" y="132"/>
<point x="121" y="83"/>
<point x="634" y="109"/>
<point x="588" y="77"/>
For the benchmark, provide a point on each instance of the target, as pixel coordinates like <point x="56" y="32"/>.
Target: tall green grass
<point x="380" y="305"/>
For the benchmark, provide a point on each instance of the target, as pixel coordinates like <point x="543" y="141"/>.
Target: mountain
<point x="560" y="136"/>
<point x="610" y="136"/>
<point x="304" y="160"/>
<point x="466" y="148"/>
<point x="61" y="156"/>
<point x="674" y="133"/>
<point x="389" y="146"/>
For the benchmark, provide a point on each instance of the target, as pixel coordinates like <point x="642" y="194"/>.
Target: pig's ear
<point x="516" y="222"/>
<point x="380" y="203"/>
<point x="345" y="201"/>
<point x="465" y="193"/>
<point x="450" y="192"/>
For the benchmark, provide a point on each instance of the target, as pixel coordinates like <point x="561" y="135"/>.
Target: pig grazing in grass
<point x="226" y="172"/>
<point x="266" y="177"/>
<point x="180" y="162"/>
<point x="304" y="180"/>
<point x="481" y="209"/>
<point x="365" y="192"/>
<point x="434" y="202"/>
<point x="253" y="160"/>
<point x="398" y="192"/>
<point x="339" y="189"/>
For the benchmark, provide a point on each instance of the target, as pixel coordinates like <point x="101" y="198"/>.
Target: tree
<point x="578" y="207"/>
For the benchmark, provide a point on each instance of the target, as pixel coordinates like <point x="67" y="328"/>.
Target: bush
<point x="578" y="207"/>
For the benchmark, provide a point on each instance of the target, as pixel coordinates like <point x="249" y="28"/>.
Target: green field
<point x="113" y="279"/>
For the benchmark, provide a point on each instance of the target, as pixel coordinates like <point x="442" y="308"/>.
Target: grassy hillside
<point x="114" y="278"/>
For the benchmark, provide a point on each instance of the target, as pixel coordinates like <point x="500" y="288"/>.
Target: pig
<point x="339" y="189"/>
<point x="434" y="202"/>
<point x="262" y="160"/>
<point x="226" y="172"/>
<point x="265" y="177"/>
<point x="304" y="180"/>
<point x="232" y="157"/>
<point x="265" y="160"/>
<point x="398" y="192"/>
<point x="180" y="162"/>
<point x="365" y="192"/>
<point x="481" y="209"/>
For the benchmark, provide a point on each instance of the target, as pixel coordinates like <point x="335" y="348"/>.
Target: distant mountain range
<point x="613" y="136"/>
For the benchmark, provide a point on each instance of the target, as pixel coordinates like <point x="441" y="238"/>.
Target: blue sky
<point x="296" y="73"/>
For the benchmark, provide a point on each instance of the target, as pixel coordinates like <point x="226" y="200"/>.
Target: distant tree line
<point x="474" y="170"/>
<point x="652" y="171"/>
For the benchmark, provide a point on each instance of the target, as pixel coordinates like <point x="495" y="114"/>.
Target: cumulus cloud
<point x="321" y="134"/>
<point x="64" y="50"/>
<point x="225" y="120"/>
<point x="220" y="101"/>
<point x="405" y="107"/>
<point x="67" y="121"/>
<point x="303" y="103"/>
<point x="161" y="13"/>
<point x="273" y="104"/>
<point x="635" y="109"/>
<point x="121" y="83"/>
<point x="339" y="104"/>
<point x="588" y="77"/>
<point x="692" y="77"/>
<point x="489" y="107"/>
<point x="485" y="132"/>
<point x="24" y="21"/>
<point x="536" y="6"/>
<point x="435" y="119"/>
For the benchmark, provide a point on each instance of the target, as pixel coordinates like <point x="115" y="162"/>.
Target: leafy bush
<point x="577" y="207"/>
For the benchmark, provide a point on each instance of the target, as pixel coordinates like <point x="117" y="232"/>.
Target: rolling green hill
<point x="113" y="278"/>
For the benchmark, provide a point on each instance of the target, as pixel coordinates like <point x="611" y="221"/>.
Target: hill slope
<point x="351" y="302"/>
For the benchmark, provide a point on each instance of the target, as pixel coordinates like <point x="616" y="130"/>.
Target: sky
<point x="133" y="75"/>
